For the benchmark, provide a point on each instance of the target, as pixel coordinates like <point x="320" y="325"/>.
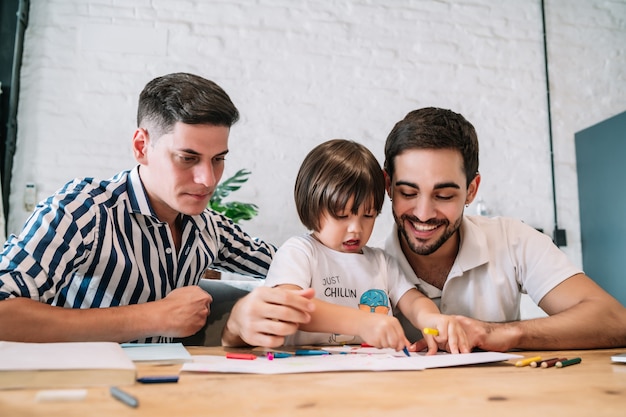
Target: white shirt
<point x="348" y="279"/>
<point x="499" y="259"/>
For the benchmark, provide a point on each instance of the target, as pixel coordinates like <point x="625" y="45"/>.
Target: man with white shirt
<point x="478" y="267"/>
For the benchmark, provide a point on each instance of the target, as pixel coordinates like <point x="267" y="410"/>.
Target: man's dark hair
<point x="185" y="98"/>
<point x="433" y="128"/>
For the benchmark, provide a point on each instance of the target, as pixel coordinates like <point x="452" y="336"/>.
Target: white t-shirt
<point x="499" y="259"/>
<point x="372" y="279"/>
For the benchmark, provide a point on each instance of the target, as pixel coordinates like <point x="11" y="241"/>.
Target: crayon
<point x="247" y="356"/>
<point x="124" y="397"/>
<point x="310" y="352"/>
<point x="537" y="364"/>
<point x="428" y="330"/>
<point x="526" y="362"/>
<point x="158" y="379"/>
<point x="278" y="355"/>
<point x="573" y="361"/>
<point x="550" y="363"/>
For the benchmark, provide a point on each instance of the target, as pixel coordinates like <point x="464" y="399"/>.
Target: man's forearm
<point x="26" y="320"/>
<point x="577" y="328"/>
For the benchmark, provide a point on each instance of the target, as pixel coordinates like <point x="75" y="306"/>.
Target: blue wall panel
<point x="601" y="166"/>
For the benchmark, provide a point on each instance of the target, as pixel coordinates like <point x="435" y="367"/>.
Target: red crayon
<point x="248" y="356"/>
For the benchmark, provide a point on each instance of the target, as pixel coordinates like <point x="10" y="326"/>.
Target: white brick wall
<point x="302" y="72"/>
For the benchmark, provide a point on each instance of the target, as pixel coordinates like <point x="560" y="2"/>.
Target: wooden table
<point x="594" y="388"/>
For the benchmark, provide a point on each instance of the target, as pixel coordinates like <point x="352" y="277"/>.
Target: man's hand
<point x="266" y="315"/>
<point x="184" y="311"/>
<point x="495" y="337"/>
<point x="451" y="337"/>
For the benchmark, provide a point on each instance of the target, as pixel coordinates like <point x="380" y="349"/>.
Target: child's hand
<point x="451" y="337"/>
<point x="383" y="331"/>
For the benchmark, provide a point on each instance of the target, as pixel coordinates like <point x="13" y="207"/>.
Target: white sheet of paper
<point x="340" y="362"/>
<point x="157" y="352"/>
<point x="67" y="355"/>
<point x="302" y="364"/>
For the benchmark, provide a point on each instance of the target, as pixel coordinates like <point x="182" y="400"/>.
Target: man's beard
<point x="414" y="243"/>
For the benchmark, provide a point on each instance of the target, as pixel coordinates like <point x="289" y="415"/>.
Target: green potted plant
<point x="234" y="210"/>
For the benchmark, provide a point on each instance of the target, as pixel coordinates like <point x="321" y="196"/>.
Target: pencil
<point x="551" y="362"/>
<point x="573" y="361"/>
<point x="538" y="364"/>
<point x="526" y="362"/>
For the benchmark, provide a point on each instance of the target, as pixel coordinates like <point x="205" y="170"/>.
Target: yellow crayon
<point x="526" y="362"/>
<point x="428" y="330"/>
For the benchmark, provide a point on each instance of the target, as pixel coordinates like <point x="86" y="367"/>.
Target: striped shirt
<point x="99" y="244"/>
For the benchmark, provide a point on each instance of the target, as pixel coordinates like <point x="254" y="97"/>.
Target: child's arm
<point x="378" y="330"/>
<point x="422" y="312"/>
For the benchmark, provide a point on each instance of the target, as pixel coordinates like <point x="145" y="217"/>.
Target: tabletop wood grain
<point x="596" y="387"/>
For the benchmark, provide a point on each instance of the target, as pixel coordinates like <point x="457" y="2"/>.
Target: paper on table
<point x="341" y="362"/>
<point x="60" y="365"/>
<point x="302" y="364"/>
<point x="365" y="350"/>
<point x="440" y="360"/>
<point x="157" y="352"/>
<point x="16" y="356"/>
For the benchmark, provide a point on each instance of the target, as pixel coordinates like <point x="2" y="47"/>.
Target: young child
<point x="339" y="191"/>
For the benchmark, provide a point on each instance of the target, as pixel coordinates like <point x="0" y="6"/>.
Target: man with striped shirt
<point x="120" y="259"/>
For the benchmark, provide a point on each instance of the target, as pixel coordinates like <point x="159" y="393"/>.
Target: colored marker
<point x="158" y="379"/>
<point x="573" y="361"/>
<point x="551" y="362"/>
<point x="246" y="356"/>
<point x="365" y="345"/>
<point x="428" y="330"/>
<point x="310" y="352"/>
<point x="526" y="362"/>
<point x="124" y="397"/>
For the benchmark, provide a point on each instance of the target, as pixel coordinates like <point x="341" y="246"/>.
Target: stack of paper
<point x="161" y="353"/>
<point x="60" y="365"/>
